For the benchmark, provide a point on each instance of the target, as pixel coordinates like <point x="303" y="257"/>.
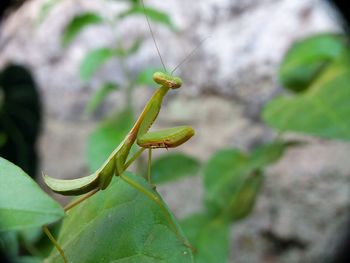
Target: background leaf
<point x="100" y="95"/>
<point x="106" y="138"/>
<point x="233" y="179"/>
<point x="121" y="224"/>
<point x="210" y="238"/>
<point x="306" y="59"/>
<point x="31" y="208"/>
<point x="77" y="24"/>
<point x="153" y="14"/>
<point x="323" y="110"/>
<point x="93" y="61"/>
<point x="45" y="9"/>
<point x="173" y="166"/>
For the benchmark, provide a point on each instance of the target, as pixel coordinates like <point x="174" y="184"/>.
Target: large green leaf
<point x="306" y="60"/>
<point x="102" y="141"/>
<point x="173" y="166"/>
<point x="323" y="110"/>
<point x="77" y="24"/>
<point x="153" y="14"/>
<point x="233" y="179"/>
<point x="209" y="237"/>
<point x="93" y="61"/>
<point x="22" y="203"/>
<point x="122" y="224"/>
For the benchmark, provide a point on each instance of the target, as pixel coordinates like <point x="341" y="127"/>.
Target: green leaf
<point x="93" y="61"/>
<point x="122" y="224"/>
<point x="22" y="203"/>
<point x="173" y="166"/>
<point x="210" y="238"/>
<point x="45" y="9"/>
<point x="323" y="110"/>
<point x="233" y="179"/>
<point x="269" y="153"/>
<point x="77" y="24"/>
<point x="103" y="140"/>
<point x="306" y="60"/>
<point x="153" y="14"/>
<point x="100" y="95"/>
<point x="145" y="77"/>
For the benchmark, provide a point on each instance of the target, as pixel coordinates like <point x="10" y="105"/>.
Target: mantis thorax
<point x="167" y="80"/>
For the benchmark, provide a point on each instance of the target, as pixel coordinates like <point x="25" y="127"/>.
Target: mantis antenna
<point x="186" y="58"/>
<point x="152" y="34"/>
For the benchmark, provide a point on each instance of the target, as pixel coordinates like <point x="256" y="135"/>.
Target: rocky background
<point x="303" y="208"/>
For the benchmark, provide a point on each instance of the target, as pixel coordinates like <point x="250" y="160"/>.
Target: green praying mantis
<point x="118" y="161"/>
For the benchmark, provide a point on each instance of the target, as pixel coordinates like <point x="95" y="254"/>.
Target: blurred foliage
<point x="93" y="61"/>
<point x="20" y="117"/>
<point x="100" y="95"/>
<point x="307" y="59"/>
<point x="318" y="68"/>
<point x="77" y="24"/>
<point x="153" y="14"/>
<point x="232" y="182"/>
<point x="173" y="166"/>
<point x="209" y="237"/>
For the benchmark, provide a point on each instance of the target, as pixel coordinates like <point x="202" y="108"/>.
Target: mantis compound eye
<point x="167" y="80"/>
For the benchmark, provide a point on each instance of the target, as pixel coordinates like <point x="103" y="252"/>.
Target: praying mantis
<point x="118" y="161"/>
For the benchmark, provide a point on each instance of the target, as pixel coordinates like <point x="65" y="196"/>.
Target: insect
<point x="118" y="160"/>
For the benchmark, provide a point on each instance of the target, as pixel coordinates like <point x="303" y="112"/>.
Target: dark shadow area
<point x="20" y="118"/>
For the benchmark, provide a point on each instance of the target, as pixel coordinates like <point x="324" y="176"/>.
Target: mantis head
<point x="167" y="80"/>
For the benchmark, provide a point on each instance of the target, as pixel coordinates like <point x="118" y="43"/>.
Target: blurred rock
<point x="305" y="200"/>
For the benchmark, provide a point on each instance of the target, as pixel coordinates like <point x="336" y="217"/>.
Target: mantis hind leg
<point x="55" y="243"/>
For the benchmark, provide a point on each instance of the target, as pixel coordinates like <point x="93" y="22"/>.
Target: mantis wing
<point x="74" y="186"/>
<point x="99" y="179"/>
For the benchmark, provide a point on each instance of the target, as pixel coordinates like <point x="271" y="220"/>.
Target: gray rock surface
<point x="305" y="198"/>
